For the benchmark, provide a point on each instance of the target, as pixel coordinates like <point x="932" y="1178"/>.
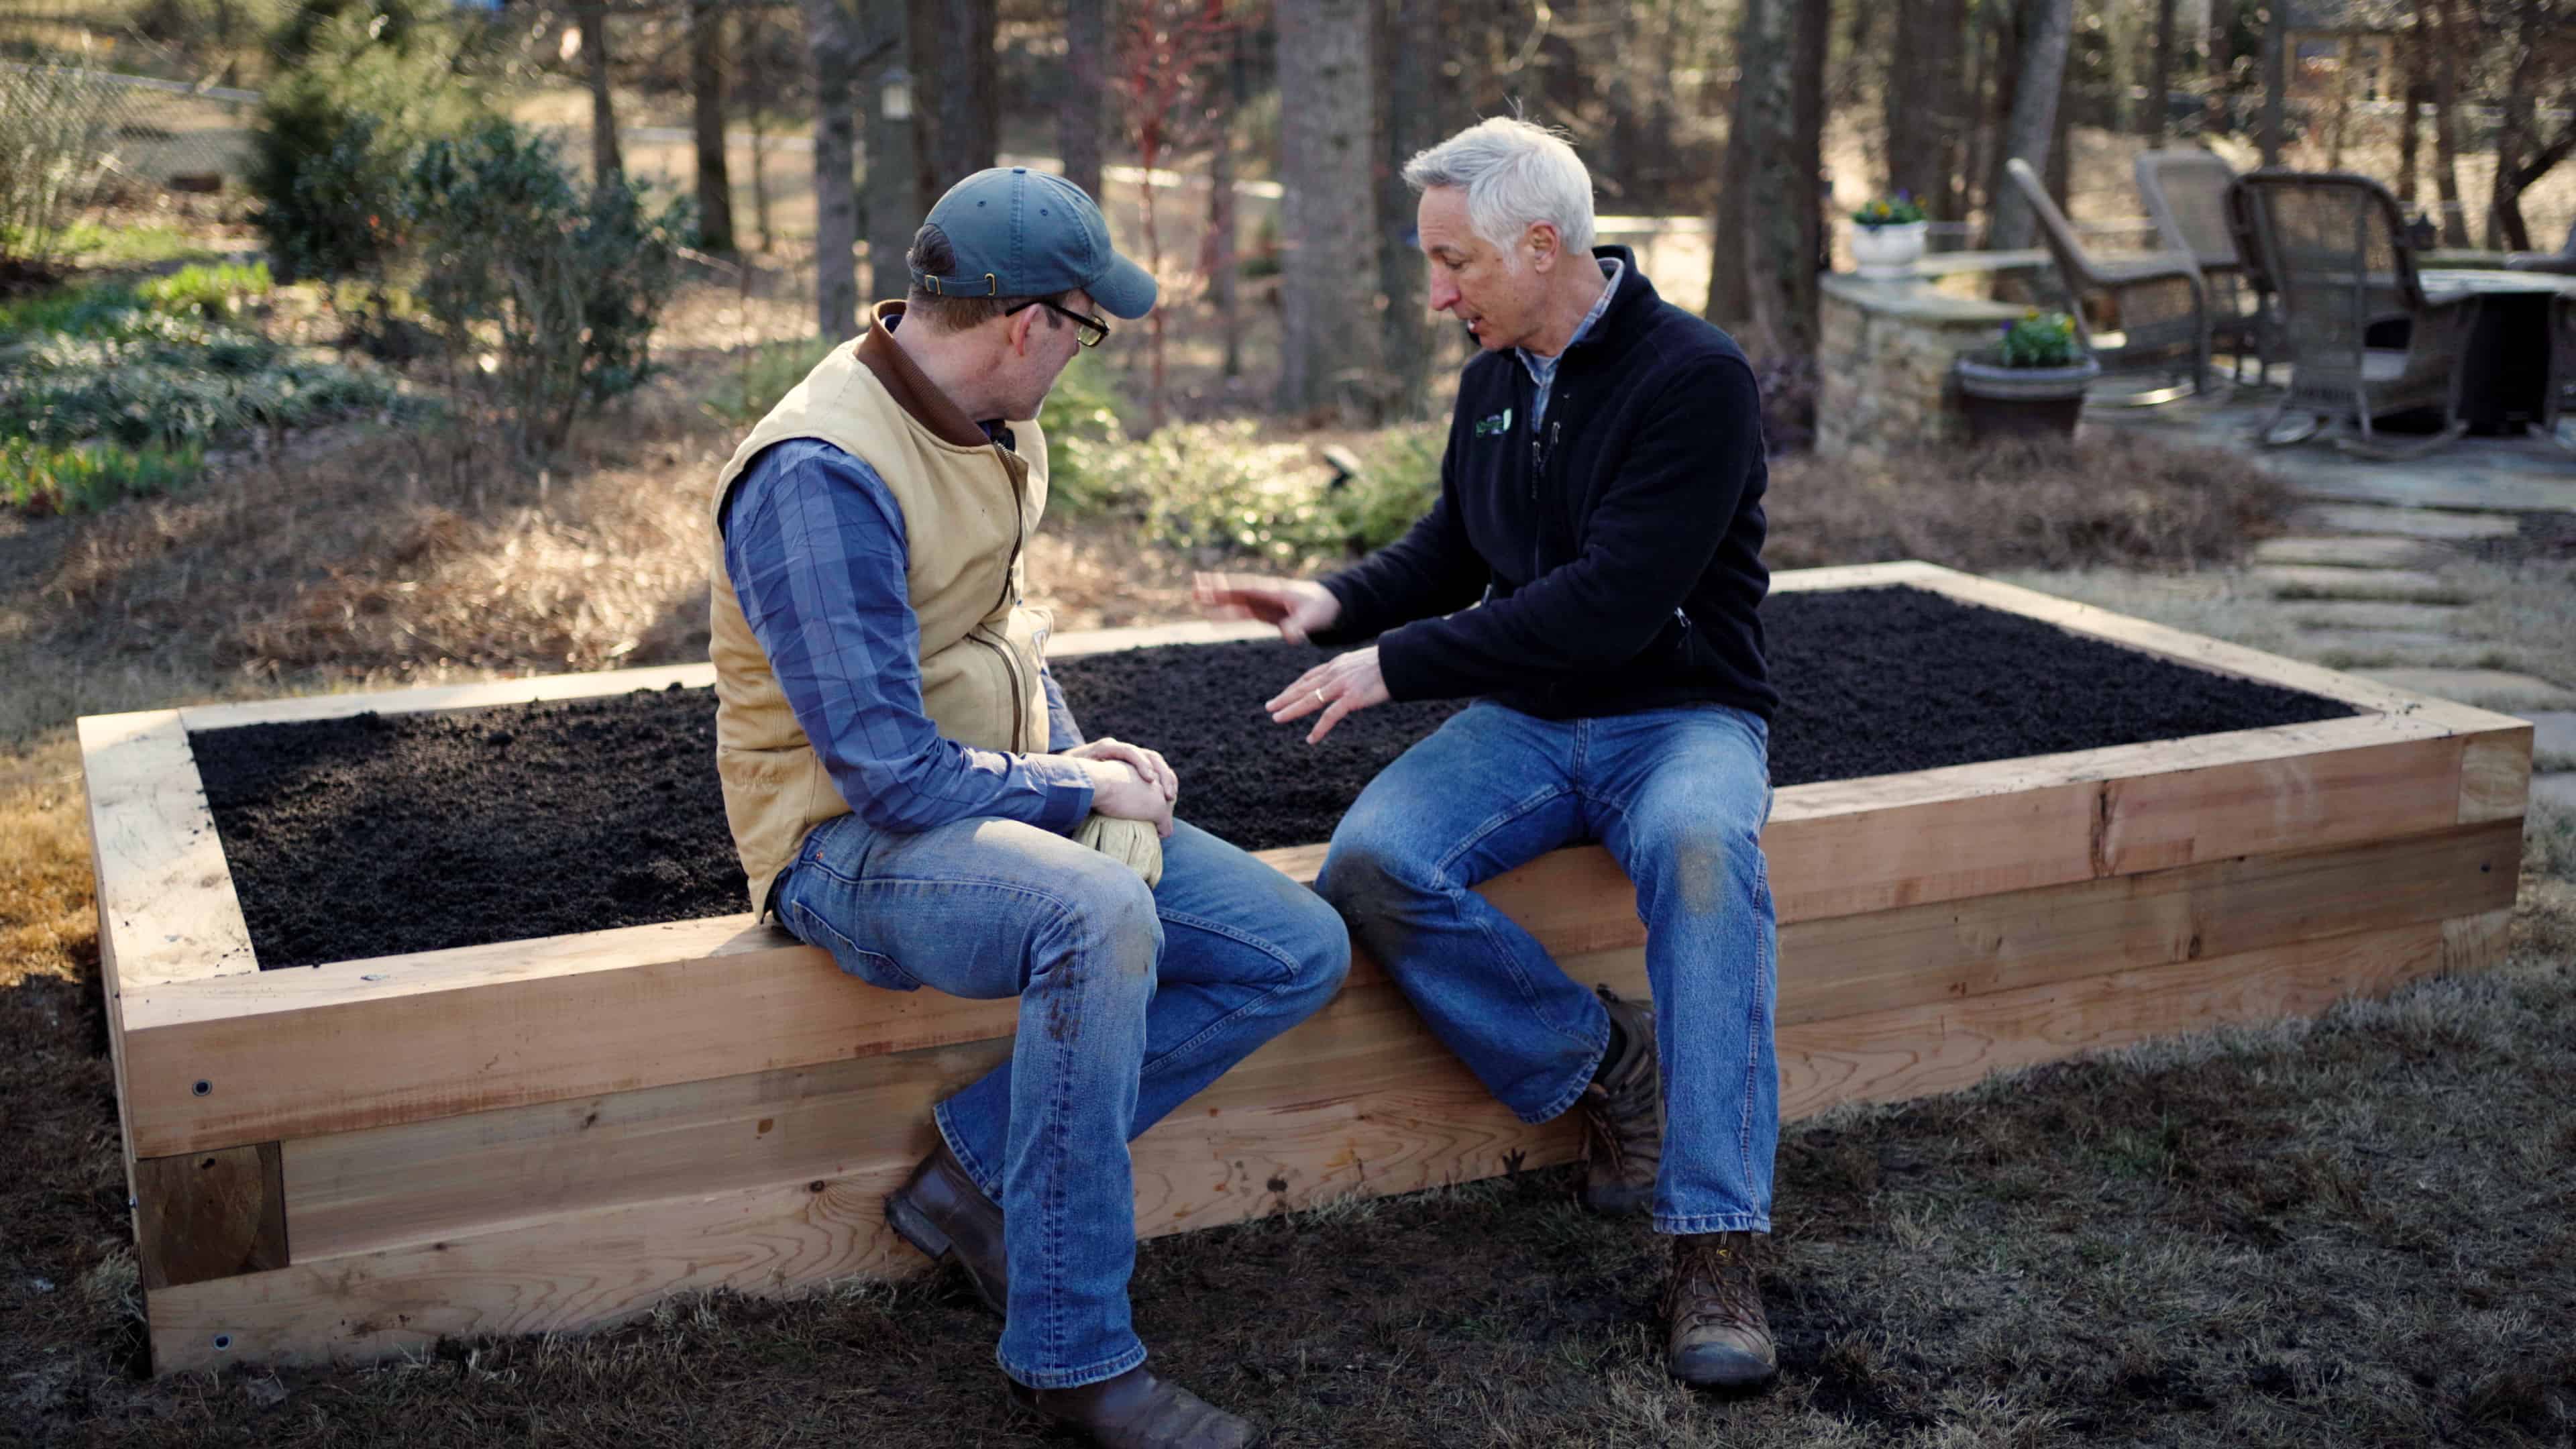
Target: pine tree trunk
<point x="2516" y="139"/>
<point x="1225" y="215"/>
<point x="836" y="203"/>
<point x="1730" y="299"/>
<point x="1774" y="234"/>
<point x="2446" y="132"/>
<point x="2410" y="72"/>
<point x="2276" y="80"/>
<point x="2160" y="77"/>
<point x="1082" y="116"/>
<point x="1924" y="117"/>
<point x="606" y="164"/>
<point x="1329" y="340"/>
<point x="2034" y="119"/>
<point x="956" y="94"/>
<point x="893" y="186"/>
<point x="1808" y="103"/>
<point x="1408" y="37"/>
<point x="707" y="93"/>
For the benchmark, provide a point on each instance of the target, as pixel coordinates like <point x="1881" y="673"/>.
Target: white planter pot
<point x="1887" y="251"/>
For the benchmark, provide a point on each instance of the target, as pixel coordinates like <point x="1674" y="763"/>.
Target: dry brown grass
<point x="2107" y="499"/>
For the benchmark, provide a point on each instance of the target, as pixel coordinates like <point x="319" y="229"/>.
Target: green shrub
<point x="551" y="290"/>
<point x="336" y="146"/>
<point x="50" y="478"/>
<point x="1083" y="432"/>
<point x="1219" y="492"/>
<point x="765" y="374"/>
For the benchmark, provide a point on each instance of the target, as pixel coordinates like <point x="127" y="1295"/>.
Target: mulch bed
<point x="377" y="835"/>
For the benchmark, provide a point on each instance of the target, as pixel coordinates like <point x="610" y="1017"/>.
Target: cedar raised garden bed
<point x="357" y="1156"/>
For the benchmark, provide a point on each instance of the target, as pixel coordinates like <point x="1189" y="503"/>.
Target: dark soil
<point x="381" y="834"/>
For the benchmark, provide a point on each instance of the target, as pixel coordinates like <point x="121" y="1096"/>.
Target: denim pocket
<point x="873" y="967"/>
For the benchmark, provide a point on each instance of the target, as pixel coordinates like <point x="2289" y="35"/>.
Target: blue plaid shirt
<point x="814" y="543"/>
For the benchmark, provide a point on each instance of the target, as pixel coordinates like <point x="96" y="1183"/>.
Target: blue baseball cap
<point x="1023" y="233"/>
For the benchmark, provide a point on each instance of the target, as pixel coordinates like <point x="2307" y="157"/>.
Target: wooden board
<point x="389" y="1185"/>
<point x="165" y="892"/>
<point x="1250" y="1146"/>
<point x="294" y="1054"/>
<point x="210" y="1215"/>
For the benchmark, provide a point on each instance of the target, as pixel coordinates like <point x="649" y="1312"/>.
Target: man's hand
<point x="1339" y="687"/>
<point x="1298" y="606"/>
<point x="1129" y="782"/>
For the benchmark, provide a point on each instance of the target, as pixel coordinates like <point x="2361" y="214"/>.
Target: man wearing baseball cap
<point x="909" y="792"/>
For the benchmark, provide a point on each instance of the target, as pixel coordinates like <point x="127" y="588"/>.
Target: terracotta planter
<point x="1887" y="251"/>
<point x="2022" y="402"/>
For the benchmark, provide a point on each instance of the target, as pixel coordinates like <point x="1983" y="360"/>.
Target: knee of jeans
<point x="1710" y="868"/>
<point x="1108" y="908"/>
<point x="1315" y="935"/>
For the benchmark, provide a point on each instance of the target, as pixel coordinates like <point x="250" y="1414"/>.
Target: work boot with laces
<point x="1623" y="1115"/>
<point x="1716" y="1336"/>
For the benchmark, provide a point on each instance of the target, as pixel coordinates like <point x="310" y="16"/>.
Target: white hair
<point x="1515" y="173"/>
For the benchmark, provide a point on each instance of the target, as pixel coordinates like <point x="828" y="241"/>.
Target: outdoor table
<point x="2507" y="369"/>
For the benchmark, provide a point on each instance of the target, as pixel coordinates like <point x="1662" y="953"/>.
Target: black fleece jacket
<point x="1613" y="561"/>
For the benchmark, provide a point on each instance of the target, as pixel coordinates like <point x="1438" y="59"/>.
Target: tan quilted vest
<point x="969" y="506"/>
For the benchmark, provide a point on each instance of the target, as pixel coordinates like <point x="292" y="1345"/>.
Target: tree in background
<point x="888" y="98"/>
<point x="957" y="101"/>
<point x="707" y="93"/>
<point x="1166" y="82"/>
<point x="1330" y="350"/>
<point x="1779" y="110"/>
<point x="1080" y="117"/>
<point x="1413" y="115"/>
<point x="2033" y="121"/>
<point x="1928" y="117"/>
<point x="830" y="41"/>
<point x="2525" y="150"/>
<point x="606" y="165"/>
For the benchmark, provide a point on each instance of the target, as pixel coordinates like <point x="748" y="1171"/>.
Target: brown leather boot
<point x="1716" y="1336"/>
<point x="1139" y="1411"/>
<point x="941" y="1211"/>
<point x="1623" y="1115"/>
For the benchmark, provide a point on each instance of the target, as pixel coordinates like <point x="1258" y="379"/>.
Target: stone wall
<point x="1883" y="362"/>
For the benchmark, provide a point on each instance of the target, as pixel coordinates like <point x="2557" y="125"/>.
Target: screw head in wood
<point x="203" y="1087"/>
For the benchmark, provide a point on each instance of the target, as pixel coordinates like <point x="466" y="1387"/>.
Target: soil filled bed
<point x="378" y="835"/>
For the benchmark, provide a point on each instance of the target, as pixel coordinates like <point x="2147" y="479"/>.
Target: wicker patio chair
<point x="2162" y="306"/>
<point x="2187" y="194"/>
<point x="2335" y="247"/>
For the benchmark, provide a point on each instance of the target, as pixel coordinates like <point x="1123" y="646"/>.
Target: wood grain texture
<point x="209" y="1215"/>
<point x="1272" y="1134"/>
<point x="165" y="893"/>
<point x="373" y="1188"/>
<point x="296" y="1054"/>
<point x="2495" y="776"/>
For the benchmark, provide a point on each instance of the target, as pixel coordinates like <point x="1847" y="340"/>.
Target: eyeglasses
<point x="1092" y="331"/>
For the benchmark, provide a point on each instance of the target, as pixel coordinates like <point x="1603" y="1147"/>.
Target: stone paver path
<point x="2361" y="576"/>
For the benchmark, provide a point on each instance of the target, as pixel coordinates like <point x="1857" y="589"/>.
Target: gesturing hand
<point x="1339" y="686"/>
<point x="1298" y="606"/>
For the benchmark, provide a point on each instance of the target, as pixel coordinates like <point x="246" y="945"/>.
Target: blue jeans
<point x="1679" y="796"/>
<point x="1131" y="1000"/>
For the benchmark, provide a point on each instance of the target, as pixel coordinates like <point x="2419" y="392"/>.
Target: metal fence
<point x="161" y="132"/>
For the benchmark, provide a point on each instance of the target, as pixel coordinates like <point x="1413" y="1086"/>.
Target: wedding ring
<point x="1319" y="698"/>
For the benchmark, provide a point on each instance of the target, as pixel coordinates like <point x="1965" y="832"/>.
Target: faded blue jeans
<point x="1131" y="1000"/>
<point x="1679" y="797"/>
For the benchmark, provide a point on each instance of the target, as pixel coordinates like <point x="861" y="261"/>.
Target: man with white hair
<point x="1590" y="575"/>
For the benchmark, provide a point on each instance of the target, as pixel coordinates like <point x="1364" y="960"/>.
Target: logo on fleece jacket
<point x="1500" y="422"/>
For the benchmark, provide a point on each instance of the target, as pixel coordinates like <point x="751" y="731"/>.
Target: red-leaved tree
<point x="1167" y="80"/>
